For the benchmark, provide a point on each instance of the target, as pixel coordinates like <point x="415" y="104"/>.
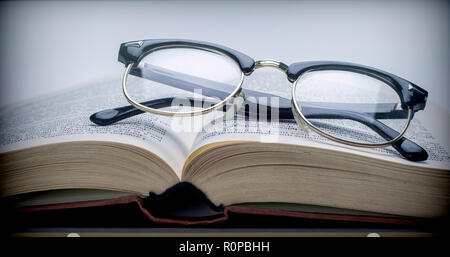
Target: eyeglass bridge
<point x="270" y="63"/>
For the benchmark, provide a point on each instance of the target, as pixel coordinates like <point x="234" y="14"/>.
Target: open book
<point x="49" y="145"/>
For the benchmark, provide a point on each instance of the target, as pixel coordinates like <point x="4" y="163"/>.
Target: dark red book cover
<point x="183" y="204"/>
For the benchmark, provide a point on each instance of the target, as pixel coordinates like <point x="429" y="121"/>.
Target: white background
<point x="49" y="46"/>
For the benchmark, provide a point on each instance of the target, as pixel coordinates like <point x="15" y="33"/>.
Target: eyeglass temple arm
<point x="404" y="146"/>
<point x="183" y="81"/>
<point x="221" y="90"/>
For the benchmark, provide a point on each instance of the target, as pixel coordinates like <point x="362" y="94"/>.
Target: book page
<point x="429" y="129"/>
<point x="289" y="132"/>
<point x="64" y="117"/>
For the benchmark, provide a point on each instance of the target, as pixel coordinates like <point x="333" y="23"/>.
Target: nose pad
<point x="236" y="105"/>
<point x="299" y="119"/>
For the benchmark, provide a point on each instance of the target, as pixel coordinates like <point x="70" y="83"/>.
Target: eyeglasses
<point x="348" y="103"/>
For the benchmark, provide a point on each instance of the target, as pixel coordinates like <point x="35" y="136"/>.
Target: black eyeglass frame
<point x="412" y="97"/>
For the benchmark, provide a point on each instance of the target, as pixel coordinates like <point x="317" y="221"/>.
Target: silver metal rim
<point x="270" y="63"/>
<point x="144" y="108"/>
<point x="299" y="118"/>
